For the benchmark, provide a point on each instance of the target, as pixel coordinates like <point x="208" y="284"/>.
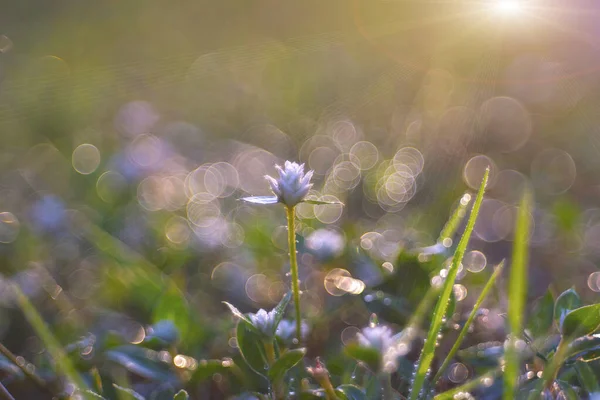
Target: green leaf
<point x="582" y="321"/>
<point x="352" y="392"/>
<point x="542" y="316"/>
<point x="125" y="393"/>
<point x="428" y="351"/>
<point x="285" y="362"/>
<point x="181" y="395"/>
<point x="517" y="287"/>
<point x="261" y="199"/>
<point x="279" y="310"/>
<point x="321" y="203"/>
<point x="250" y="344"/>
<point x="587" y="377"/>
<point x="162" y="335"/>
<point x="368" y="355"/>
<point x="173" y="306"/>
<point x="567" y="301"/>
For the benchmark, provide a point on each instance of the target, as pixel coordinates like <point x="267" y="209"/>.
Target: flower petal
<point x="261" y="199"/>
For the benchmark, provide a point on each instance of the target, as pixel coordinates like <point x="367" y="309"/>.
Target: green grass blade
<point x="63" y="362"/>
<point x="428" y="351"/>
<point x="488" y="286"/>
<point x="472" y="384"/>
<point x="517" y="287"/>
<point x="455" y="219"/>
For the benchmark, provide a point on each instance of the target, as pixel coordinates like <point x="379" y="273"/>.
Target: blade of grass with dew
<point x="490" y="283"/>
<point x="455" y="219"/>
<point x="472" y="384"/>
<point x="60" y="358"/>
<point x="517" y="288"/>
<point x="429" y="347"/>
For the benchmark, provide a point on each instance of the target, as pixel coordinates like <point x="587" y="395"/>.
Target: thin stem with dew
<point x="28" y="373"/>
<point x="291" y="215"/>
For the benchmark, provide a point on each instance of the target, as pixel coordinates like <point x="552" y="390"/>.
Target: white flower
<point x="263" y="321"/>
<point x="379" y="337"/>
<point x="293" y="184"/>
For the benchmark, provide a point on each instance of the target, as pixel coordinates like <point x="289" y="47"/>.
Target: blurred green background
<point x="130" y="128"/>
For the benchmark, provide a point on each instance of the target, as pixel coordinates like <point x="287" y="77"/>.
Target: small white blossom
<point x="292" y="185"/>
<point x="263" y="321"/>
<point x="379" y="337"/>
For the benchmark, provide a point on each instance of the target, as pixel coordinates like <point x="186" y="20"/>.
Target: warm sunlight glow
<point x="508" y="6"/>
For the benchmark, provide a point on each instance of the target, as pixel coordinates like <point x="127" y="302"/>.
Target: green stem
<point x="329" y="390"/>
<point x="270" y="352"/>
<point x="325" y="383"/>
<point x="551" y="370"/>
<point x="291" y="216"/>
<point x="386" y="383"/>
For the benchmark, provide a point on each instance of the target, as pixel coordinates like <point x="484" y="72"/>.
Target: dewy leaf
<point x="428" y="351"/>
<point x="582" y="321"/>
<point x="279" y="310"/>
<point x="321" y="202"/>
<point x="285" y="362"/>
<point x="352" y="392"/>
<point x="582" y="346"/>
<point x="542" y="315"/>
<point x="181" y="395"/>
<point x="567" y="301"/>
<point x="250" y="346"/>
<point x="261" y="199"/>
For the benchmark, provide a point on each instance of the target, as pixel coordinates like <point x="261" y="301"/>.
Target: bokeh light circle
<point x="9" y="227"/>
<point x="86" y="158"/>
